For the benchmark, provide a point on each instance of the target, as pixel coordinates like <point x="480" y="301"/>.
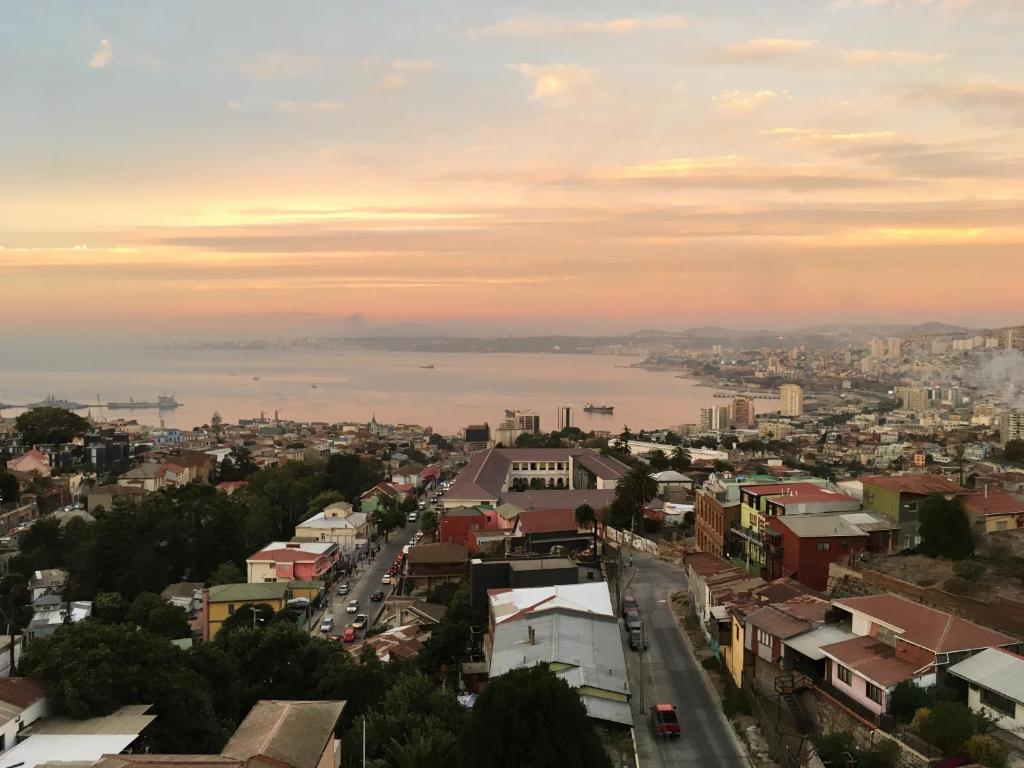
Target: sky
<point x="243" y="167"/>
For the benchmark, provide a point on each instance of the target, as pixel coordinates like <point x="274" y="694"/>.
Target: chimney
<point x="532" y="633"/>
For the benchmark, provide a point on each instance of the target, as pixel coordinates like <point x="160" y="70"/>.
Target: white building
<point x="995" y="679"/>
<point x="792" y="396"/>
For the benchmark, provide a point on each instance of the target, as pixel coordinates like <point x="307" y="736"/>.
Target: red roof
<point x="871" y="658"/>
<point x="811" y="494"/>
<point x="705" y="563"/>
<point x="286" y="556"/>
<point x="547" y="521"/>
<point x="922" y="485"/>
<point x="931" y="629"/>
<point x="21" y="691"/>
<point x="775" y="489"/>
<point x="997" y="502"/>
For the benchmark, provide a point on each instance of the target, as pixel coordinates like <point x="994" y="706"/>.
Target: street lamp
<point x="255" y="615"/>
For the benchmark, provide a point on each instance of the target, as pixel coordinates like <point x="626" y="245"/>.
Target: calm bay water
<point x="461" y="389"/>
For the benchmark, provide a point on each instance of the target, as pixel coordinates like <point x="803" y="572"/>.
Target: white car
<point x="360" y="621"/>
<point x="352" y="607"/>
<point x="413" y="517"/>
<point x="327" y="624"/>
<point x="385" y="579"/>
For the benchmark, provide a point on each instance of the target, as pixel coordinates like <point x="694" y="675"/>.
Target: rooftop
<point x="236" y="593"/>
<point x="871" y="658"/>
<point x="438" y="553"/>
<point x="290" y="732"/>
<point x="514" y="604"/>
<point x="484" y="476"/>
<point x="996" y="669"/>
<point x="922" y="485"/>
<point x="820" y="525"/>
<point x="547" y="521"/>
<point x="994" y="502"/>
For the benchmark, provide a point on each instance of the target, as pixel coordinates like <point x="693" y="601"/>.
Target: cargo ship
<point x="591" y="408"/>
<point x="162" y="402"/>
<point x="52" y="402"/>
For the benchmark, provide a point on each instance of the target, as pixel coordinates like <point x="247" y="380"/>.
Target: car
<point x="393" y="570"/>
<point x="633" y="620"/>
<point x="421" y="504"/>
<point x="352" y="607"/>
<point x="349" y="635"/>
<point x="665" y="720"/>
<point x="629" y="603"/>
<point x="413" y="517"/>
<point x="377" y="596"/>
<point x="385" y="579"/>
<point x="327" y="624"/>
<point x="637" y="640"/>
<point x="360" y="621"/>
<point x="343" y="588"/>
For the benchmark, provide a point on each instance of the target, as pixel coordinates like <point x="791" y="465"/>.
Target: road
<point x="366" y="581"/>
<point x="668" y="673"/>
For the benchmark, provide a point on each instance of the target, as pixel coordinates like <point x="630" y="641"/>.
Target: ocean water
<point x="304" y="385"/>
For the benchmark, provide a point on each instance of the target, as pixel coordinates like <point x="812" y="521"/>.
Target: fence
<point x="631" y="539"/>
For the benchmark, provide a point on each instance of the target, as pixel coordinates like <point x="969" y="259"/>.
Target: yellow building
<point x="223" y="601"/>
<point x="732" y="654"/>
<point x="792" y="397"/>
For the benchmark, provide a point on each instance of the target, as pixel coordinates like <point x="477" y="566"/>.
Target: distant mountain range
<point x="852" y="330"/>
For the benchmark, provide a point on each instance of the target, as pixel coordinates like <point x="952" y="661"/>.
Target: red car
<point x="349" y="635"/>
<point x="664" y="720"/>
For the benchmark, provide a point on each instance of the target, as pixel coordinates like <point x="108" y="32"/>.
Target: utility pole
<point x="364" y="741"/>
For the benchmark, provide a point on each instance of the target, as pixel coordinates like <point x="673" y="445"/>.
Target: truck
<point x="665" y="721"/>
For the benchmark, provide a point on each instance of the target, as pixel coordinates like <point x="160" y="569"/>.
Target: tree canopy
<point x="50" y="425"/>
<point x="1014" y="450"/>
<point x="945" y="530"/>
<point x="542" y="723"/>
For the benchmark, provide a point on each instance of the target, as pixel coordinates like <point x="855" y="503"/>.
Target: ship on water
<point x="163" y="402"/>
<point x="428" y="366"/>
<point x="53" y="402"/>
<point x="591" y="408"/>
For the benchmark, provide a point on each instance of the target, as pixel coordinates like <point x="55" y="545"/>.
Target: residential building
<point x="34" y="461"/>
<point x="564" y="417"/>
<point x="517" y="423"/>
<point x="292" y="561"/>
<point x="641" y="447"/>
<point x="896" y="640"/>
<point x="994" y="510"/>
<point x="288" y="734"/>
<point x="876" y="349"/>
<point x="672" y="485"/>
<point x="187" y="595"/>
<point x="913" y="398"/>
<point x="539" y="531"/>
<point x="104" y="496"/>
<point x="430" y="564"/>
<point x="714" y="419"/>
<point x="518" y="574"/>
<point x="716" y="507"/>
<point x="22" y="702"/>
<point x="894" y="348"/>
<point x="50" y="612"/>
<point x="995" y="687"/>
<point x="792" y="399"/>
<point x="743" y="412"/>
<point x="49" y="581"/>
<point x="225" y="600"/>
<point x="477" y="437"/>
<point x="337" y="524"/>
<point x="64" y="741"/>
<point x="899" y="497"/>
<point x="409" y="474"/>
<point x="1011" y="426"/>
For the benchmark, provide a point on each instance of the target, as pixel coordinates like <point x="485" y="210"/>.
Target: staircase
<point x="788" y="686"/>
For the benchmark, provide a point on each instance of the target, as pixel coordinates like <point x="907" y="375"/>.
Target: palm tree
<point x="425" y="749"/>
<point x="635" y="489"/>
<point x="624" y="439"/>
<point x="681" y="458"/>
<point x="586" y="518"/>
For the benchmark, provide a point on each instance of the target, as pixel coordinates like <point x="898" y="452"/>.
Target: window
<point x="824" y="546"/>
<point x="231" y="609"/>
<point x="844" y="674"/>
<point x="911" y="506"/>
<point x="875" y="693"/>
<point x="998" y="702"/>
<point x="737" y="631"/>
<point x="533" y="466"/>
<point x="763" y="638"/>
<point x="1002" y="525"/>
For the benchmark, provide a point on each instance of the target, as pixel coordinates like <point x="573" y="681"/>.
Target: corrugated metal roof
<point x="995" y="669"/>
<point x="810" y="643"/>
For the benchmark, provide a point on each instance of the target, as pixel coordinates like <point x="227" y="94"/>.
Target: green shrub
<point x="986" y="750"/>
<point x="907" y="698"/>
<point x="734" y="700"/>
<point x="969" y="570"/>
<point x="834" y="747"/>
<point x="946" y="724"/>
<point x="711" y="664"/>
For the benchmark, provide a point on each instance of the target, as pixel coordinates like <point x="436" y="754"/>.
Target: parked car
<point x="360" y="621"/>
<point x="349" y="635"/>
<point x="343" y="588"/>
<point x="637" y="640"/>
<point x="422" y="504"/>
<point x="633" y="620"/>
<point x="352" y="607"/>
<point x="327" y="624"/>
<point x="629" y="603"/>
<point x="377" y="596"/>
<point x="385" y="579"/>
<point x="664" y="720"/>
<point x="413" y="517"/>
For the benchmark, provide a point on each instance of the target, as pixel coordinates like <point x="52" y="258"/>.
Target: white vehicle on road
<point x="327" y="624"/>
<point x="352" y="607"/>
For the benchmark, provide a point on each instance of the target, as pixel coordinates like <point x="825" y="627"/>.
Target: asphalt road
<point x="668" y="673"/>
<point x="366" y="581"/>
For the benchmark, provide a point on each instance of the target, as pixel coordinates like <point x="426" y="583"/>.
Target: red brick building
<point x="712" y="520"/>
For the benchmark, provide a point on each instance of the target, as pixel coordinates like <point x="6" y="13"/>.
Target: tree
<point x="945" y="530"/>
<point x="149" y="611"/>
<point x="587" y="518"/>
<point x="436" y="750"/>
<point x="946" y="724"/>
<point x="657" y="460"/>
<point x="238" y="465"/>
<point x="226" y="573"/>
<point x="907" y="698"/>
<point x="634" y="489"/>
<point x="681" y="459"/>
<point x="8" y="487"/>
<point x="985" y="750"/>
<point x="1014" y="450"/>
<point x="109" y="607"/>
<point x="323" y="500"/>
<point x="543" y="723"/>
<point x="429" y="523"/>
<point x="624" y="437"/>
<point x="216" y="423"/>
<point x="50" y="425"/>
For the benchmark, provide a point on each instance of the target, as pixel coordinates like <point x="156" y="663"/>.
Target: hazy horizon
<point x="597" y="169"/>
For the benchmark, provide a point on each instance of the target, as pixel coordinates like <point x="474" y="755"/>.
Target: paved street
<point x="671" y="675"/>
<point x="367" y="581"/>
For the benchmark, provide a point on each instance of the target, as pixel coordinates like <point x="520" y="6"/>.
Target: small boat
<point x="428" y="366"/>
<point x="255" y="378"/>
<point x="313" y="386"/>
<point x="591" y="408"/>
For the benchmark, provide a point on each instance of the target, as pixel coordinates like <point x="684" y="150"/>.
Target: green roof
<point x="230" y="593"/>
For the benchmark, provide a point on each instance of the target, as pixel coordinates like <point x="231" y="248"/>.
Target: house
<point x="541" y="531"/>
<point x="716" y="509"/>
<point x="187" y="595"/>
<point x="337" y="524"/>
<point x="22" y="702"/>
<point x="454" y="525"/>
<point x="995" y="680"/>
<point x="402" y="642"/>
<point x="224" y="600"/>
<point x="516" y="604"/>
<point x="34" y="461"/>
<point x="292" y="561"/>
<point x="896" y="640"/>
<point x="430" y="564"/>
<point x="487" y="575"/>
<point x="409" y="474"/>
<point x="105" y="495"/>
<point x="49" y="581"/>
<point x="67" y="741"/>
<point x="150" y="476"/>
<point x="583" y="649"/>
<point x="768" y="628"/>
<point x="899" y="497"/>
<point x="672" y="485"/>
<point x="51" y="612"/>
<point x="994" y="510"/>
<point x="382" y="492"/>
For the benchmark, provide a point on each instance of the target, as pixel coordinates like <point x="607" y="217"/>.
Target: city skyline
<point x="455" y="164"/>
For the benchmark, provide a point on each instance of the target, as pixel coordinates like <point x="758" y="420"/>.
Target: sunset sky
<point x="260" y="167"/>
